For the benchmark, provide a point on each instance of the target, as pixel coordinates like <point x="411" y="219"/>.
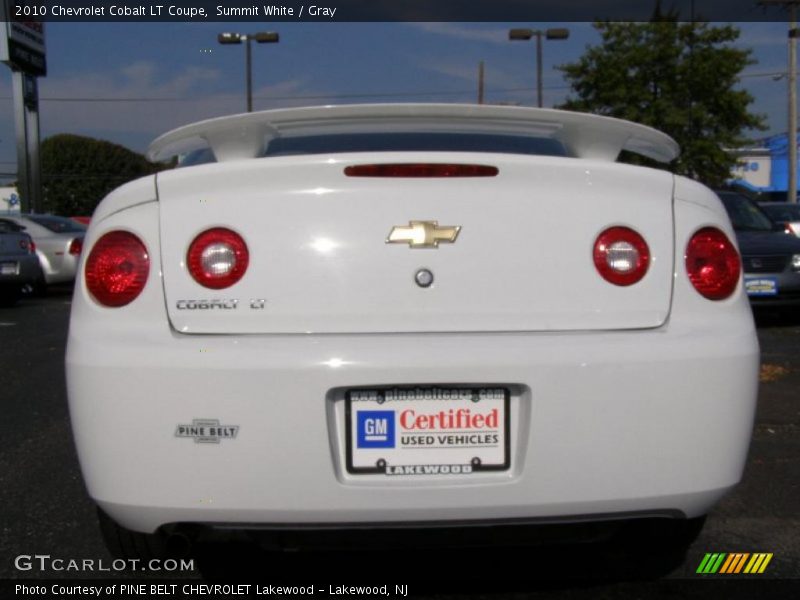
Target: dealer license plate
<point x="9" y="268"/>
<point x="427" y="430"/>
<point x="761" y="286"/>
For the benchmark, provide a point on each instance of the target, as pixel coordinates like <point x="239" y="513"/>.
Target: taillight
<point x="27" y="244"/>
<point x="117" y="268"/>
<point x="32" y="246"/>
<point x="75" y="246"/>
<point x="712" y="264"/>
<point x="621" y="256"/>
<point x="421" y="170"/>
<point x="217" y="258"/>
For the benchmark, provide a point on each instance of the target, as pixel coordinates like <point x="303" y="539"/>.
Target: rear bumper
<point x="788" y="284"/>
<point x="438" y="534"/>
<point x="27" y="270"/>
<point x="784" y="300"/>
<point x="655" y="421"/>
<point x="62" y="270"/>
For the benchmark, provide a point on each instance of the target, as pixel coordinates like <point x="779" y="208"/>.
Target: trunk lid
<point x="319" y="260"/>
<point x="13" y="244"/>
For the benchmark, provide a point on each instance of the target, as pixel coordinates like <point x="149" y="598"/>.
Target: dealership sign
<point x="22" y="46"/>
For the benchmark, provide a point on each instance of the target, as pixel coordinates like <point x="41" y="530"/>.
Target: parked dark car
<point x="19" y="265"/>
<point x="770" y="255"/>
<point x="787" y="213"/>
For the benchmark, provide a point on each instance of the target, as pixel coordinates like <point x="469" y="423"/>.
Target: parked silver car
<point x="59" y="242"/>
<point x="19" y="266"/>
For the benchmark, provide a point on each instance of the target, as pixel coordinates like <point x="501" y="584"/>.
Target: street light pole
<point x="791" y="140"/>
<point x="791" y="132"/>
<point x="527" y="34"/>
<point x="262" y="37"/>
<point x="249" y="68"/>
<point x="480" y="83"/>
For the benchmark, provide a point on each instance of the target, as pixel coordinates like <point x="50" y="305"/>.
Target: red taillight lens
<point x="217" y="258"/>
<point x="117" y="268"/>
<point x="32" y="246"/>
<point x="27" y="245"/>
<point x="713" y="264"/>
<point x="75" y="246"/>
<point x="621" y="256"/>
<point x="421" y="170"/>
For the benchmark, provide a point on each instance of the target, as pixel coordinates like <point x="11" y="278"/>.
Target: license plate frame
<point x="446" y="406"/>
<point x="761" y="286"/>
<point x="9" y="268"/>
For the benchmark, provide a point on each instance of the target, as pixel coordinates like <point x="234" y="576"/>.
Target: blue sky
<point x="147" y="78"/>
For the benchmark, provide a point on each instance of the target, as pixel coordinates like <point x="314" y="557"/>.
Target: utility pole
<point x="791" y="133"/>
<point x="262" y="37"/>
<point x="791" y="187"/>
<point x="480" y="83"/>
<point x="558" y="33"/>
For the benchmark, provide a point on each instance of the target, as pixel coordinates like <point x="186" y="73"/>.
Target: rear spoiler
<point x="244" y="136"/>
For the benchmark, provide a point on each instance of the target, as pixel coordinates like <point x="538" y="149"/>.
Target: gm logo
<point x="375" y="429"/>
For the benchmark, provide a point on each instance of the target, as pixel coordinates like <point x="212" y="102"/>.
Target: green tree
<point x="78" y="172"/>
<point x="679" y="78"/>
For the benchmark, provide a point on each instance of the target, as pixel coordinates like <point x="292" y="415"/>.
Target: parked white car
<point x="379" y="316"/>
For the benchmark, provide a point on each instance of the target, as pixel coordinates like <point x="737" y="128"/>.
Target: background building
<point x="764" y="168"/>
<point x="9" y="199"/>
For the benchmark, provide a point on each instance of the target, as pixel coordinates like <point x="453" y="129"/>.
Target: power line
<point x="765" y="74"/>
<point x="101" y="176"/>
<point x="296" y="97"/>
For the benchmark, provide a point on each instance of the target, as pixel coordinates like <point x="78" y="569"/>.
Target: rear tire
<point x="40" y="288"/>
<point x="127" y="544"/>
<point x="9" y="296"/>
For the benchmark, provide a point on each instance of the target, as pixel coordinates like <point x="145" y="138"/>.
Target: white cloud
<point x="139" y="73"/>
<point x="140" y="101"/>
<point x="140" y="79"/>
<point x="494" y="36"/>
<point x="123" y="116"/>
<point x="468" y="73"/>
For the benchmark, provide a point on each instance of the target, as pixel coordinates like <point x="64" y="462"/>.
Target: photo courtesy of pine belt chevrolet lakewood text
<point x="408" y="316"/>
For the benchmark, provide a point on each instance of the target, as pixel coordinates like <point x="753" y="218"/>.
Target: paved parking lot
<point x="45" y="510"/>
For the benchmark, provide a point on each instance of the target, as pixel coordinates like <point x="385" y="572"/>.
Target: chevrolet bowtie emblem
<point x="422" y="234"/>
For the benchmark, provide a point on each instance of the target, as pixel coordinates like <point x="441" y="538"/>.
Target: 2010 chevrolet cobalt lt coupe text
<point x="385" y="316"/>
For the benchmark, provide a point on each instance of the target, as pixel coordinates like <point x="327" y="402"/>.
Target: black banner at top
<point x="396" y="10"/>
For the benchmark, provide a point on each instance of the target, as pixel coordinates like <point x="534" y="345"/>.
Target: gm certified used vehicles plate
<point x="408" y="316"/>
<point x="459" y="430"/>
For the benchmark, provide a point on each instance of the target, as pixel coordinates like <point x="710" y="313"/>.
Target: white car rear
<point x="410" y="336"/>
